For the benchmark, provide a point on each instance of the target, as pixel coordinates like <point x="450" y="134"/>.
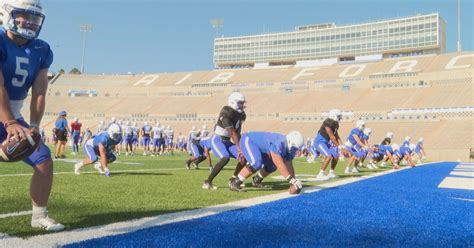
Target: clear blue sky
<point x="175" y="35"/>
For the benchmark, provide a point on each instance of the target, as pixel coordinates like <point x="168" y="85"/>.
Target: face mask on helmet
<point x="23" y="17"/>
<point x="335" y="114"/>
<point x="237" y="102"/>
<point x="115" y="132"/>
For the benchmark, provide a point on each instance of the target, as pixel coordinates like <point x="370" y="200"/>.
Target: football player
<point x="420" y="150"/>
<point x="367" y="152"/>
<point x="181" y="141"/>
<point x="404" y="155"/>
<point x="327" y="143"/>
<point x="145" y="132"/>
<point x="24" y="63"/>
<point x="128" y="136"/>
<point x="101" y="127"/>
<point x="200" y="149"/>
<point x="388" y="151"/>
<point x="193" y="134"/>
<point x="169" y="140"/>
<point x="406" y="141"/>
<point x="76" y="135"/>
<point x="157" y="134"/>
<point x="101" y="145"/>
<point x="227" y="134"/>
<point x="355" y="147"/>
<point x="204" y="132"/>
<point x="387" y="141"/>
<point x="272" y="151"/>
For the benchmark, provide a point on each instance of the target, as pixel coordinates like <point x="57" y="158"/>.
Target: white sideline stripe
<point x="73" y="236"/>
<point x="462" y="199"/>
<point x="463" y="173"/>
<point x="3" y="216"/>
<point x="95" y="172"/>
<point x="463" y="167"/>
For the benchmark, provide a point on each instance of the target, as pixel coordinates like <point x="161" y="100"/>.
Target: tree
<point x="61" y="71"/>
<point x="75" y="71"/>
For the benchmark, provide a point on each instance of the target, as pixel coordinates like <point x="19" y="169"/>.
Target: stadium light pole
<point x="459" y="48"/>
<point x="217" y="23"/>
<point x="85" y="28"/>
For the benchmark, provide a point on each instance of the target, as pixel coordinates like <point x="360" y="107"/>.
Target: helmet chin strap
<point x="17" y="39"/>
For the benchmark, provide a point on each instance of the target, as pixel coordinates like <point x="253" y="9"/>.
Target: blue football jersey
<point x="271" y="142"/>
<point x="104" y="139"/>
<point x="357" y="132"/>
<point x="21" y="64"/>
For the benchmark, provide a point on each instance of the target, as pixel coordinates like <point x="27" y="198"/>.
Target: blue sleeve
<point x="48" y="59"/>
<point x="3" y="56"/>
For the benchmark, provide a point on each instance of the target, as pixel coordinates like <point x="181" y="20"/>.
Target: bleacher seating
<point x="434" y="98"/>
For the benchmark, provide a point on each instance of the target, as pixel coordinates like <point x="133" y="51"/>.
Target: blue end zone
<point x="400" y="209"/>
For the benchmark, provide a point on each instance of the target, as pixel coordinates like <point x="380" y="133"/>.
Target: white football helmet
<point x="168" y="127"/>
<point x="115" y="132"/>
<point x="113" y="119"/>
<point x="335" y="114"/>
<point x="295" y="139"/>
<point x="412" y="147"/>
<point x="367" y="131"/>
<point x="204" y="127"/>
<point x="389" y="135"/>
<point x="101" y="122"/>
<point x="145" y="124"/>
<point x="237" y="101"/>
<point x="360" y="124"/>
<point x="157" y="124"/>
<point x="134" y="124"/>
<point x="421" y="140"/>
<point x="193" y="128"/>
<point x="22" y="17"/>
<point x="76" y="119"/>
<point x="407" y="138"/>
<point x="395" y="147"/>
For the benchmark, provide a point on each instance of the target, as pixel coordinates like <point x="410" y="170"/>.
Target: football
<point x="15" y="150"/>
<point x="293" y="190"/>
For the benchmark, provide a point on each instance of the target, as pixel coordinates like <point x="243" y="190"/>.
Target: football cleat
<point x="354" y="170"/>
<point x="348" y="170"/>
<point x="234" y="185"/>
<point x="47" y="224"/>
<point x="186" y="164"/>
<point x="77" y="168"/>
<point x="257" y="183"/>
<point x="208" y="185"/>
<point x="98" y="167"/>
<point x="331" y="175"/>
<point x="321" y="177"/>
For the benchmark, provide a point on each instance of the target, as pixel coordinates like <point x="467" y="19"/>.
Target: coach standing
<point x="62" y="131"/>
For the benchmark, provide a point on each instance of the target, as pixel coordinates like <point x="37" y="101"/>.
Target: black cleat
<point x="234" y="185"/>
<point x="257" y="183"/>
<point x="187" y="165"/>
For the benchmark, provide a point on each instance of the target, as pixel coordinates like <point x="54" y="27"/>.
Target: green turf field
<point x="149" y="186"/>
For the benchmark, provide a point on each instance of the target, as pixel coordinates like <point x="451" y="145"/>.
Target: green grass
<point x="139" y="191"/>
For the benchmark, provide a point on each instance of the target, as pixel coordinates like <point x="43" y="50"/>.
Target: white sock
<point x="39" y="212"/>
<point x="80" y="164"/>
<point x="331" y="172"/>
<point x="241" y="178"/>
<point x="321" y="173"/>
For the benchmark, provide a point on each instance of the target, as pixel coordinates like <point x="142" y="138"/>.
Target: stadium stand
<point x="428" y="96"/>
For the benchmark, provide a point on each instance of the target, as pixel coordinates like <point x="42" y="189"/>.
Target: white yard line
<point x="3" y="216"/>
<point x="73" y="236"/>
